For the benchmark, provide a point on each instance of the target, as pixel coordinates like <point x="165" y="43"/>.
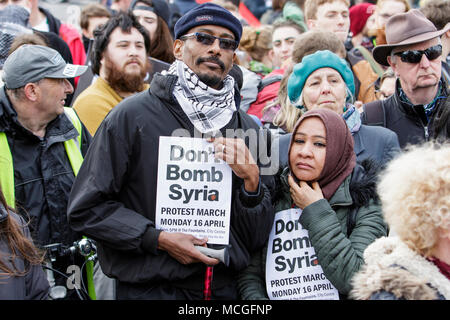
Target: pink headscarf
<point x="340" y="159"/>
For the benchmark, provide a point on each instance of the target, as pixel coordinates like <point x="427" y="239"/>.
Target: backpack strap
<point x="374" y="114"/>
<point x="368" y="56"/>
<point x="268" y="81"/>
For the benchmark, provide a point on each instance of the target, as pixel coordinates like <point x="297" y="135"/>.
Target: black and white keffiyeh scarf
<point x="208" y="109"/>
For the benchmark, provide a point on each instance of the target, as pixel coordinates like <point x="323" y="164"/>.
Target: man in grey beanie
<point x="196" y="98"/>
<point x="40" y="145"/>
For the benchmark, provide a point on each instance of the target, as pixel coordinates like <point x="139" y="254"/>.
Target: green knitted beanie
<point x="312" y="62"/>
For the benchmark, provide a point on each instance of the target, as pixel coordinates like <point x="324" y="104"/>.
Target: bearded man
<point x="120" y="59"/>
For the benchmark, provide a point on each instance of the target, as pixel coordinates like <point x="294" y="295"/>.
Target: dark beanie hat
<point x="160" y="8"/>
<point x="208" y="13"/>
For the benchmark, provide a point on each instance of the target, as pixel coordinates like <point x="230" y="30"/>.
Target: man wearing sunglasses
<point x="115" y="196"/>
<point x="416" y="110"/>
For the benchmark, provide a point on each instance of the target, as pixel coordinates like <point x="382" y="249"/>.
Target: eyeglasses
<point x="207" y="40"/>
<point x="414" y="56"/>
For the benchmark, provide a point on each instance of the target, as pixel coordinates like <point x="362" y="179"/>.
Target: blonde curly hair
<point x="415" y="195"/>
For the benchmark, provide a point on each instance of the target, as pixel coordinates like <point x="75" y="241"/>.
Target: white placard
<point x="194" y="189"/>
<point x="292" y="269"/>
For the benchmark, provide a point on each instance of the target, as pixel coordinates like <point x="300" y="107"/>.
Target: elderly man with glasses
<point x="416" y="111"/>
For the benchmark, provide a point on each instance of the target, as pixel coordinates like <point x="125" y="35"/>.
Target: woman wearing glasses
<point x="386" y="84"/>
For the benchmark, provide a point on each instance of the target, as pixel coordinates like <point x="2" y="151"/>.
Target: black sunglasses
<point x="207" y="40"/>
<point x="414" y="56"/>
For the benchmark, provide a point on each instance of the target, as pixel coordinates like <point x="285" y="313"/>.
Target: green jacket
<point x="326" y="221"/>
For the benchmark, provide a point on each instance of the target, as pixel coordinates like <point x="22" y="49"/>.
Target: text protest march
<point x="292" y="269"/>
<point x="194" y="189"/>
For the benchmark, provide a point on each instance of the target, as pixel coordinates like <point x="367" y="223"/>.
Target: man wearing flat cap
<point x="115" y="197"/>
<point x="417" y="110"/>
<point x="40" y="145"/>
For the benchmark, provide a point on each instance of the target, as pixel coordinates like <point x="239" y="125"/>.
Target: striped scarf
<point x="352" y="118"/>
<point x="427" y="107"/>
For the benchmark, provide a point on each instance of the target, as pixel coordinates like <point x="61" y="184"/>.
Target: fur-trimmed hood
<point x="393" y="267"/>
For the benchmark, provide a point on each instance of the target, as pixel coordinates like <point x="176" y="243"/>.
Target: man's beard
<point x="123" y="81"/>
<point x="211" y="80"/>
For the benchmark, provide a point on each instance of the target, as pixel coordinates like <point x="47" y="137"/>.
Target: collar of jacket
<point x="60" y="129"/>
<point x="162" y="87"/>
<point x="358" y="147"/>
<point x="384" y="257"/>
<point x="418" y="109"/>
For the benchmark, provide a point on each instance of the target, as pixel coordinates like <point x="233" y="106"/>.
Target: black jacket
<point x="43" y="175"/>
<point x="114" y="196"/>
<point x="31" y="286"/>
<point x="409" y="121"/>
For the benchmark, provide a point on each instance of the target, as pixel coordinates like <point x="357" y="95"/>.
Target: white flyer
<point x="194" y="190"/>
<point x="292" y="269"/>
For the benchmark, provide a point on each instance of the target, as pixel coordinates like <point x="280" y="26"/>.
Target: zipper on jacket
<point x="427" y="135"/>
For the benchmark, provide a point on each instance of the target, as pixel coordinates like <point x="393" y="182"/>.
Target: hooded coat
<point x="393" y="271"/>
<point x="327" y="223"/>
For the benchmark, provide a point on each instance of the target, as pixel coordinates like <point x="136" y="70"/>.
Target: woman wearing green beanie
<point x="324" y="80"/>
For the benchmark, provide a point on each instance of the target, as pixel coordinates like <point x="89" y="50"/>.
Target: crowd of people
<point x="226" y="150"/>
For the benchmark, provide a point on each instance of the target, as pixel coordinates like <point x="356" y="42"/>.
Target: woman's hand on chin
<point x="302" y="194"/>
